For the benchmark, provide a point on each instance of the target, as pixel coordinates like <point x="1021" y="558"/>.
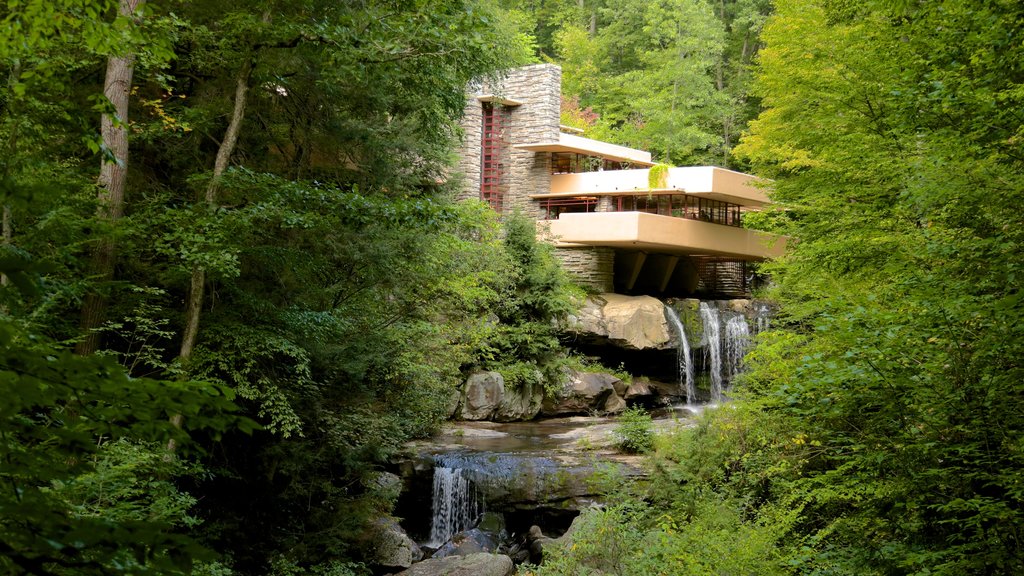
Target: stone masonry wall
<point x="539" y="89"/>
<point x="589" y="266"/>
<point x="468" y="166"/>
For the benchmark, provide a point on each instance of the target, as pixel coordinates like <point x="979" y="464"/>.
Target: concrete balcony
<point x="639" y="231"/>
<point x="705" y="181"/>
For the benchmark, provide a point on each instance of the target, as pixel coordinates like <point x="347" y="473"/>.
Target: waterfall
<point x="762" y="321"/>
<point x="683" y="357"/>
<point x="456" y="504"/>
<point x="735" y="345"/>
<point x="712" y="349"/>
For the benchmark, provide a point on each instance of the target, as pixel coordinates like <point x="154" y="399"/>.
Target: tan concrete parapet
<point x="706" y="181"/>
<point x="662" y="234"/>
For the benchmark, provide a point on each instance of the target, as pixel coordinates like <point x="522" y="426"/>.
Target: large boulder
<point x="585" y="393"/>
<point x="480" y="564"/>
<point x="485" y="397"/>
<point x="389" y="546"/>
<point x="639" y="388"/>
<point x="482" y="395"/>
<point x="523" y="403"/>
<point x="631" y="322"/>
<point x="467" y="542"/>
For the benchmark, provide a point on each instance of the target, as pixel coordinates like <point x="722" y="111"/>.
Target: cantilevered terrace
<point x="698" y="211"/>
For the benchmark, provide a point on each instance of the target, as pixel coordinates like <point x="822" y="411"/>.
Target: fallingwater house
<point x="612" y="230"/>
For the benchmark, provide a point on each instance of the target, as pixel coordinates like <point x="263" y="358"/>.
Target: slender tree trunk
<point x="224" y="152"/>
<point x="197" y="286"/>
<point x="12" y="155"/>
<point x="8" y="236"/>
<point x="593" y="20"/>
<point x="113" y="176"/>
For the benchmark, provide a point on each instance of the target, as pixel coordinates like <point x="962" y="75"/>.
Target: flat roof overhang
<point x="496" y="99"/>
<point x="571" y="143"/>
<point x="705" y="181"/>
<point x="663" y="235"/>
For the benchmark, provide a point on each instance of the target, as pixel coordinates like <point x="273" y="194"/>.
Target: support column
<point x="633" y="263"/>
<point x="666" y="274"/>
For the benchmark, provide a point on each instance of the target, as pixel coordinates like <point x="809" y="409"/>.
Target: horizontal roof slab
<point x="579" y="145"/>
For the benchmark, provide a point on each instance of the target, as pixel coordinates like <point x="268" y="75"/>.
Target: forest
<point x="234" y="280"/>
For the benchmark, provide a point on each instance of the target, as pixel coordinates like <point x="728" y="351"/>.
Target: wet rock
<point x="582" y="393"/>
<point x="493" y="523"/>
<point x="390" y="546"/>
<point x="466" y="543"/>
<point x="480" y="564"/>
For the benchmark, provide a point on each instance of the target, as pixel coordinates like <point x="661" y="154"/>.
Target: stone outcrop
<point x="640" y="388"/>
<point x="480" y="564"/>
<point x="538" y="542"/>
<point x="481" y="395"/>
<point x="586" y="393"/>
<point x="390" y="546"/>
<point x="631" y="322"/>
<point x="467" y="542"/>
<point x="485" y="397"/>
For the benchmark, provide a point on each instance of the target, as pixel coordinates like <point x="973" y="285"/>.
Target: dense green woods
<point x="268" y="258"/>
<point x="671" y="77"/>
<point x="879" y="429"/>
<point x="288" y="293"/>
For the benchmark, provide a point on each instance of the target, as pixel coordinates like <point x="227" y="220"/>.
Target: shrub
<point x="635" y="432"/>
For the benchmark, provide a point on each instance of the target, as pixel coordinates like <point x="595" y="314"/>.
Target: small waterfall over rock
<point x="456" y="503"/>
<point x="762" y="319"/>
<point x="735" y="346"/>
<point x="683" y="357"/>
<point x="712" y="348"/>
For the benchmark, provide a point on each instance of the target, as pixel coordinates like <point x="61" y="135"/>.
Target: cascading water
<point x="735" y="345"/>
<point x="712" y="349"/>
<point x="456" y="503"/>
<point x="762" y="320"/>
<point x="683" y="357"/>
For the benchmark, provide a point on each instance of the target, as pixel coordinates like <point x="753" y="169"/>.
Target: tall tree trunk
<point x="8" y="236"/>
<point x="12" y="155"/>
<point x="113" y="175"/>
<point x="198" y="284"/>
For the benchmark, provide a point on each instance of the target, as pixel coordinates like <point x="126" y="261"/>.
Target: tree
<point x="671" y="77"/>
<point x="117" y="86"/>
<point x="892" y="132"/>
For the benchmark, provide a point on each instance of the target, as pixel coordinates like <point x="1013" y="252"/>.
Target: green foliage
<point x="657" y="176"/>
<point x="523" y="345"/>
<point x="671" y="76"/>
<point x="345" y="292"/>
<point x="636" y="539"/>
<point x="635" y="432"/>
<point x="892" y="375"/>
<point x="81" y="495"/>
